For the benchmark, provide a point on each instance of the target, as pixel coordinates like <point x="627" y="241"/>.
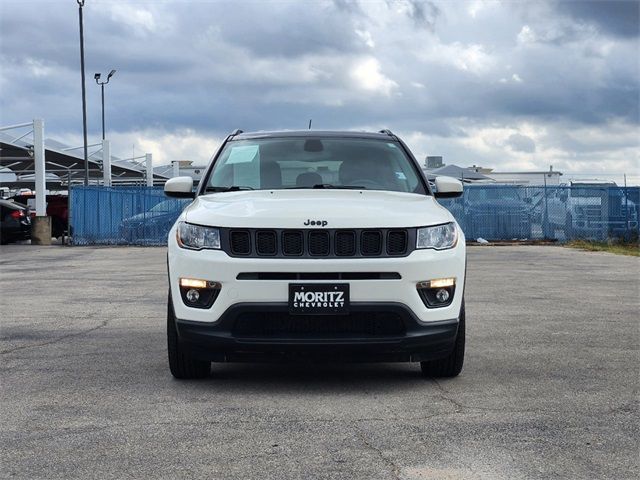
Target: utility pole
<point x="84" y="95"/>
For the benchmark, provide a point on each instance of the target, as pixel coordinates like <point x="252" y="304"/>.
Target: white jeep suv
<point x="315" y="245"/>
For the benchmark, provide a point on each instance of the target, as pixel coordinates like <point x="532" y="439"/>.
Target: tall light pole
<point x="102" y="84"/>
<point x="84" y="95"/>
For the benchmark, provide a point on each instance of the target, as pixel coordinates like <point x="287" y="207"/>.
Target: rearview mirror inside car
<point x="179" y="187"/>
<point x="448" y="187"/>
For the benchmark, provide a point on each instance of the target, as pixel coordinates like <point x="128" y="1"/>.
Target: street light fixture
<point x="96" y="77"/>
<point x="84" y="95"/>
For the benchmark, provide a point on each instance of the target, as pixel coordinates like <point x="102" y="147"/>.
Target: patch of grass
<point x="619" y="248"/>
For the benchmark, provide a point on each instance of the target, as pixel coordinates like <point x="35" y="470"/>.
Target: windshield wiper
<point x="330" y="186"/>
<point x="232" y="188"/>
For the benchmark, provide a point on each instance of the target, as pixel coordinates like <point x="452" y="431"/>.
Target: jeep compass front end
<point x="315" y="245"/>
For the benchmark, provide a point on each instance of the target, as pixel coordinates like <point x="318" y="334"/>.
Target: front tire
<point x="182" y="365"/>
<point x="451" y="365"/>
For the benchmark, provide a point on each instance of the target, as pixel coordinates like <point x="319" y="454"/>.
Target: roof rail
<point x="237" y="131"/>
<point x="387" y="131"/>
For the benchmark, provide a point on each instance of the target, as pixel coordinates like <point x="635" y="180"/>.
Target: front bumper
<point x="217" y="266"/>
<point x="397" y="336"/>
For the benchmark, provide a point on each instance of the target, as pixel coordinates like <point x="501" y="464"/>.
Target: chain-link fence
<point x="143" y="215"/>
<point x="122" y="215"/>
<point x="505" y="212"/>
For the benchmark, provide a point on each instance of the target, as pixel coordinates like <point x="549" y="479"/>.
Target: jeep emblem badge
<point x="319" y="223"/>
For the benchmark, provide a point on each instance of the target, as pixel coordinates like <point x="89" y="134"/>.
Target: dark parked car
<point x="493" y="212"/>
<point x="497" y="212"/>
<point x="15" y="222"/>
<point x="152" y="226"/>
<point x="57" y="209"/>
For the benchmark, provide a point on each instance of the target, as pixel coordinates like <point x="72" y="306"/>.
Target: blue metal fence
<point x="122" y="215"/>
<point x="144" y="215"/>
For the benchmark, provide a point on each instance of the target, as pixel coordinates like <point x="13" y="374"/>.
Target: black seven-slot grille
<point x="314" y="243"/>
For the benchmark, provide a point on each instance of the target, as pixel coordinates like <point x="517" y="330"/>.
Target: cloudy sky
<point x="505" y="84"/>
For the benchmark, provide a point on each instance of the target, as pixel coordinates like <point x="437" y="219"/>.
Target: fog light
<point x="442" y="282"/>
<point x="442" y="295"/>
<point x="193" y="283"/>
<point x="193" y="295"/>
<point x="198" y="293"/>
<point x="437" y="293"/>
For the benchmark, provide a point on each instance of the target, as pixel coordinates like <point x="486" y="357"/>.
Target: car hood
<point x="295" y="208"/>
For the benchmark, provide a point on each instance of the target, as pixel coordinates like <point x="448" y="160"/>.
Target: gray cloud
<point x="444" y="70"/>
<point x="349" y="6"/>
<point x="616" y="17"/>
<point x="521" y="143"/>
<point x="423" y="13"/>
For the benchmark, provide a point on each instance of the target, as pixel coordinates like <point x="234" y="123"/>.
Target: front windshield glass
<point x="589" y="190"/>
<point x="163" y="206"/>
<point x="483" y="194"/>
<point x="279" y="163"/>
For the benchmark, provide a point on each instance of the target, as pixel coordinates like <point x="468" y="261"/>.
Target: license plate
<point x="319" y="299"/>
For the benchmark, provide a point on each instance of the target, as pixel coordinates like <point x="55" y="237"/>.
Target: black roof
<point x="314" y="134"/>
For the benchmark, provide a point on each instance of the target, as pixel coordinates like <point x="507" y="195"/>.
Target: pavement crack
<point x="388" y="462"/>
<point x="55" y="340"/>
<point x="442" y="395"/>
<point x="461" y="406"/>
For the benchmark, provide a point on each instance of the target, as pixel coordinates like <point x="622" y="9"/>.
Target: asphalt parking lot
<point x="549" y="388"/>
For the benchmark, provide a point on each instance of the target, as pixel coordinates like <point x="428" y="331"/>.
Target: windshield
<point x="169" y="206"/>
<point x="277" y="163"/>
<point x="589" y="190"/>
<point x="162" y="207"/>
<point x="483" y="194"/>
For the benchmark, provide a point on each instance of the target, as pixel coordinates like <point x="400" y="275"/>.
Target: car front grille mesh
<point x="371" y="242"/>
<point x="240" y="242"/>
<point x="396" y="242"/>
<point x="318" y="242"/>
<point x="345" y="243"/>
<point x="359" y="324"/>
<point x="292" y="243"/>
<point x="266" y="243"/>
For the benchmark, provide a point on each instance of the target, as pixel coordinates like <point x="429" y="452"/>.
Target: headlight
<point x="197" y="237"/>
<point x="439" y="237"/>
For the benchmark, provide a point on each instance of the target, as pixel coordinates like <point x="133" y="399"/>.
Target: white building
<point x="549" y="177"/>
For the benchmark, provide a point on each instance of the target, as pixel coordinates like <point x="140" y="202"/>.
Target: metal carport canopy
<point x="66" y="164"/>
